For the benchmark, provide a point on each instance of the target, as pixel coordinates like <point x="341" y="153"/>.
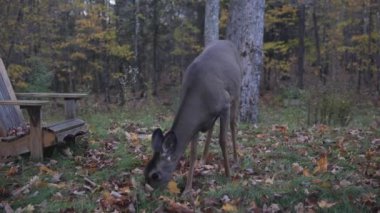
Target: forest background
<point x="316" y="144"/>
<point x="127" y="50"/>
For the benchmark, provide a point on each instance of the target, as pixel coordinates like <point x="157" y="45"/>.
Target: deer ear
<point x="157" y="138"/>
<point x="170" y="143"/>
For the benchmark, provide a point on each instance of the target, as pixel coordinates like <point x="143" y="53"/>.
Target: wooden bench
<point x="34" y="138"/>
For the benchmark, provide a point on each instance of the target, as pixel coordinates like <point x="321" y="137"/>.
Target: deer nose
<point x="156" y="176"/>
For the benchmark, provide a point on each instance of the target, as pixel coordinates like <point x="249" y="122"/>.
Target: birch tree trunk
<point x="246" y="30"/>
<point x="212" y="21"/>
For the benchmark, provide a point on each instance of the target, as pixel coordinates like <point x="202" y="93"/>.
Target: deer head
<point x="160" y="168"/>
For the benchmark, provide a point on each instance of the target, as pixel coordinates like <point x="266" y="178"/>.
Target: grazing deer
<point x="210" y="90"/>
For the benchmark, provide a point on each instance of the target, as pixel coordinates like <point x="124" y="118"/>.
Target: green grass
<point x="269" y="157"/>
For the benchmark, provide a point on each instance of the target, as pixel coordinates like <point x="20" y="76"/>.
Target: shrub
<point x="329" y="108"/>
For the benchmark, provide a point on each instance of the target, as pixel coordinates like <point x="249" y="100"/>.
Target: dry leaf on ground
<point x="229" y="207"/>
<point x="325" y="204"/>
<point x="173" y="188"/>
<point x="322" y="164"/>
<point x="12" y="171"/>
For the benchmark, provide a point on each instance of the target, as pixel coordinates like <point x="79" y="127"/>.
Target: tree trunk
<point x="318" y="46"/>
<point x="156" y="71"/>
<point x="369" y="74"/>
<point x="139" y="85"/>
<point x="121" y="12"/>
<point x="246" y="30"/>
<point x="301" y="44"/>
<point x="136" y="42"/>
<point x="212" y="21"/>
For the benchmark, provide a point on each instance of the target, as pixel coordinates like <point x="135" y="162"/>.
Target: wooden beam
<point x="23" y="103"/>
<point x="70" y="108"/>
<point x="36" y="143"/>
<point x="53" y="95"/>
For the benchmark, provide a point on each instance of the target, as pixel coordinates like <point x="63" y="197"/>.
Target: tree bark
<point x="301" y="45"/>
<point x="121" y="12"/>
<point x="212" y="21"/>
<point x="140" y="78"/>
<point x="246" y="30"/>
<point x="156" y="71"/>
<point x="322" y="77"/>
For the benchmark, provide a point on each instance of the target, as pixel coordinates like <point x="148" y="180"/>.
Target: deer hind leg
<point x="193" y="158"/>
<point x="224" y="117"/>
<point x="233" y="124"/>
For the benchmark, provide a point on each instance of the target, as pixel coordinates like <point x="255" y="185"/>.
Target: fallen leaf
<point x="32" y="182"/>
<point x="297" y="168"/>
<point x="272" y="208"/>
<point x="299" y="208"/>
<point x="58" y="186"/>
<point x="7" y="208"/>
<point x="225" y="199"/>
<point x="173" y="188"/>
<point x="321" y="128"/>
<point x="368" y="199"/>
<point x="306" y="173"/>
<point x="253" y="207"/>
<point x="172" y="206"/>
<point x="28" y="208"/>
<point x="56" y="177"/>
<point x="177" y="207"/>
<point x="107" y="200"/>
<point x="125" y="190"/>
<point x="79" y="193"/>
<point x="270" y="180"/>
<point x="229" y="207"/>
<point x="47" y="170"/>
<point x="325" y="204"/>
<point x="133" y="138"/>
<point x="4" y="193"/>
<point x="148" y="188"/>
<point x="12" y="171"/>
<point x="345" y="183"/>
<point x="262" y="136"/>
<point x="322" y="164"/>
<point x="280" y="128"/>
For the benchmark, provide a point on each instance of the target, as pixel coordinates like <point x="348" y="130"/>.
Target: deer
<point x="210" y="91"/>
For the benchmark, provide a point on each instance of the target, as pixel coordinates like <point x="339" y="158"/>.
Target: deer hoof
<point x="187" y="194"/>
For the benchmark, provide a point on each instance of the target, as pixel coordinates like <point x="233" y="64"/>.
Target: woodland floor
<point x="285" y="166"/>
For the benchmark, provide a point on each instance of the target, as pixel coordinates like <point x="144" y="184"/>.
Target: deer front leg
<point x="193" y="158"/>
<point x="224" y="117"/>
<point x="207" y="145"/>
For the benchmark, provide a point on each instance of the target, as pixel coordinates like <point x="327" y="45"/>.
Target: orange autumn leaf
<point x="322" y="128"/>
<point x="322" y="164"/>
<point x="227" y="207"/>
<point x="134" y="139"/>
<point x="107" y="199"/>
<point x="306" y="173"/>
<point x="47" y="170"/>
<point x="12" y="171"/>
<point x="280" y="128"/>
<point x="173" y="188"/>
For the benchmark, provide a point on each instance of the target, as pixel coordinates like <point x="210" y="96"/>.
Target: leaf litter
<point x="276" y="162"/>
